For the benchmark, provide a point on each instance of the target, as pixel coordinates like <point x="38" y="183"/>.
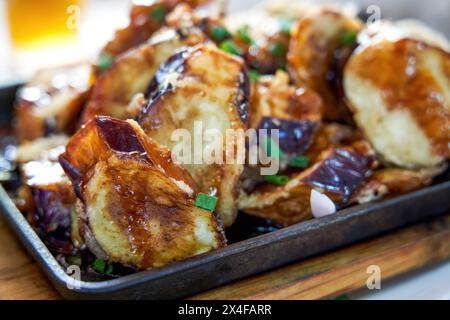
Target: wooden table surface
<point x="323" y="276"/>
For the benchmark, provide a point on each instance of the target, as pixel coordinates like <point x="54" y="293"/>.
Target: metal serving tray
<point x="240" y="259"/>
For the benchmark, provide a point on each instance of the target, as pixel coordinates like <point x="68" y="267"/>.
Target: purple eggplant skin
<point x="160" y="86"/>
<point x="341" y="172"/>
<point x="52" y="219"/>
<point x="119" y="135"/>
<point x="335" y="74"/>
<point x="295" y="136"/>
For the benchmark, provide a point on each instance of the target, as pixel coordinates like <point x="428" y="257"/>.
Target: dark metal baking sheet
<point x="243" y="258"/>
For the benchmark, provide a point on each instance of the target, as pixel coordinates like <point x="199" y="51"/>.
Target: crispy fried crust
<point x="132" y="72"/>
<point x="51" y="101"/>
<point x="138" y="206"/>
<point x="399" y="92"/>
<point x="390" y="182"/>
<point x="315" y="40"/>
<point x="207" y="85"/>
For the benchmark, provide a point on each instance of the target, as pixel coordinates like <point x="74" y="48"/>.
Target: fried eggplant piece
<point x="46" y="195"/>
<point x="315" y="40"/>
<point x="209" y="86"/>
<point x="264" y="45"/>
<point x="204" y="16"/>
<point x="51" y="102"/>
<point x="338" y="172"/>
<point x="391" y="182"/>
<point x="53" y="216"/>
<point x="145" y="19"/>
<point x="137" y="204"/>
<point x="274" y="97"/>
<point x="295" y="112"/>
<point x="132" y="72"/>
<point x="399" y="93"/>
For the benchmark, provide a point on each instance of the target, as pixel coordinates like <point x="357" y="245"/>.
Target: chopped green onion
<point x="74" y="260"/>
<point x="159" y="14"/>
<point x="220" y="33"/>
<point x="348" y="38"/>
<point x="206" y="201"/>
<point x="242" y="33"/>
<point x="109" y="269"/>
<point x="104" y="61"/>
<point x="277" y="49"/>
<point x="278" y="180"/>
<point x="102" y="267"/>
<point x="286" y="24"/>
<point x="342" y="297"/>
<point x="273" y="149"/>
<point x="230" y="47"/>
<point x="299" y="162"/>
<point x="253" y="75"/>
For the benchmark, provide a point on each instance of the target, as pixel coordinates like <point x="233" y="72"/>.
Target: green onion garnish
<point x="104" y="61"/>
<point x="220" y="33"/>
<point x="74" y="260"/>
<point x="348" y="38"/>
<point x="230" y="47"/>
<point x="342" y="297"/>
<point x="242" y="33"/>
<point x="253" y="75"/>
<point x="278" y="180"/>
<point x="299" y="162"/>
<point x="206" y="201"/>
<point x="273" y="149"/>
<point x="277" y="49"/>
<point x="158" y="13"/>
<point x="102" y="267"/>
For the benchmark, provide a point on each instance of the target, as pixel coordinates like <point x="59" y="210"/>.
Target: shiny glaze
<point x="398" y="70"/>
<point x="135" y="204"/>
<point x="208" y="85"/>
<point x="142" y="25"/>
<point x="296" y="136"/>
<point x="338" y="170"/>
<point x="131" y="73"/>
<point x="315" y="39"/>
<point x="273" y="96"/>
<point x="51" y="102"/>
<point x="124" y="178"/>
<point x="104" y="136"/>
<point x="341" y="171"/>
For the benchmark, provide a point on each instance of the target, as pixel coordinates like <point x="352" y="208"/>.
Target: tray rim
<point x="60" y="279"/>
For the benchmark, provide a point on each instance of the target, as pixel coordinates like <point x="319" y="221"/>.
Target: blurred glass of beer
<point x="35" y="24"/>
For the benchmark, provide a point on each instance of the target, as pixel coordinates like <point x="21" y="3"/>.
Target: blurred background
<point x="42" y="33"/>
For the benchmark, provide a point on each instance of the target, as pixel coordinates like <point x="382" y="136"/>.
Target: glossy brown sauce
<point x="135" y="204"/>
<point x="398" y="70"/>
<point x="105" y="136"/>
<point x="311" y="56"/>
